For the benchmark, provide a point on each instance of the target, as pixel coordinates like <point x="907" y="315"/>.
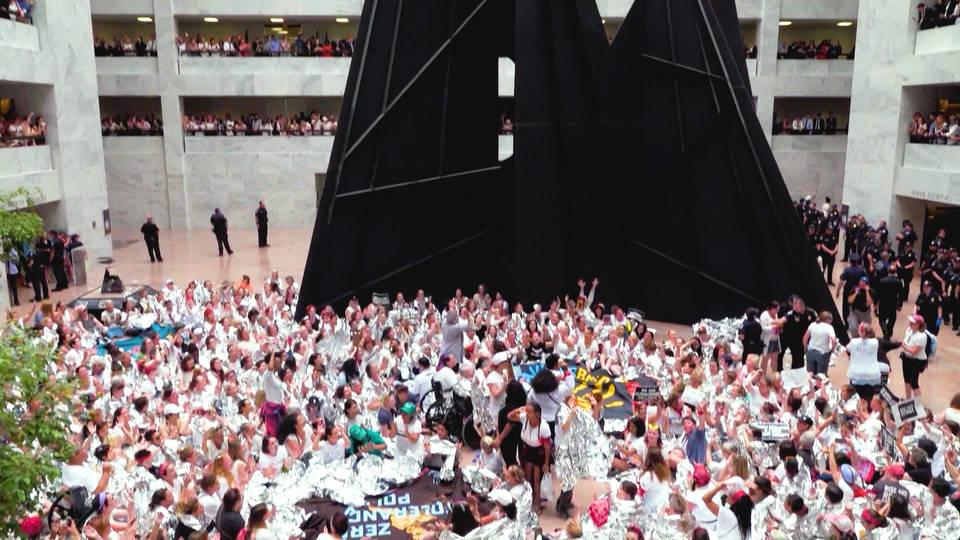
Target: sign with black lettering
<point x="774" y="431"/>
<point x="907" y="410"/>
<point x="888" y="397"/>
<point x="888" y="442"/>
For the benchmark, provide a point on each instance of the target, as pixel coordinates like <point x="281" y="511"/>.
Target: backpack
<point x="931" y="347"/>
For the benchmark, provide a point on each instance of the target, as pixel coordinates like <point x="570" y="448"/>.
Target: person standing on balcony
<point x="261" y="218"/>
<point x="219" y="222"/>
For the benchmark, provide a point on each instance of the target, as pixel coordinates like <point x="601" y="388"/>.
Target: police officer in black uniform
<point x="849" y="280"/>
<point x="906" y="263"/>
<point x="798" y="320"/>
<point x="828" y="251"/>
<point x="929" y="306"/>
<point x="889" y="300"/>
<point x="883" y="231"/>
<point x="261" y="218"/>
<point x="219" y="223"/>
<point x="849" y="244"/>
<point x="906" y="236"/>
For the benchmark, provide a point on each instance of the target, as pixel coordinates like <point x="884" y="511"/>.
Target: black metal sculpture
<point x="639" y="161"/>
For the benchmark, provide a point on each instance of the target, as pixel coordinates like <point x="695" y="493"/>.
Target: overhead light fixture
<point x="845" y="23"/>
<point x="786" y="23"/>
<point x="145" y="19"/>
<point x="211" y="19"/>
<point x="283" y="32"/>
<point x="276" y="19"/>
<point x="342" y="20"/>
<point x="603" y="21"/>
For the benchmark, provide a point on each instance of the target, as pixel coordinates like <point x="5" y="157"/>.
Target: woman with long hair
<point x="864" y="368"/>
<point x="273" y="409"/>
<point x="508" y="431"/>
<point x="534" y="446"/>
<point x="548" y="391"/>
<point x="734" y="517"/>
<point x="257" y="528"/>
<point x="655" y="481"/>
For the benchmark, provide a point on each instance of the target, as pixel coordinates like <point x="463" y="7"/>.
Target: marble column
<point x="66" y="41"/>
<point x="171" y="106"/>
<point x="768" y="36"/>
<point x="879" y="112"/>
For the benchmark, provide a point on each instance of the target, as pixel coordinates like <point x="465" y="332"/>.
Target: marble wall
<point x="938" y="40"/>
<point x="136" y="180"/>
<point x="121" y="7"/>
<point x="819" y="9"/>
<point x="18" y="35"/>
<point x="27" y="159"/>
<point x="889" y="83"/>
<point x="812" y="164"/>
<point x="291" y="8"/>
<point x="126" y="65"/>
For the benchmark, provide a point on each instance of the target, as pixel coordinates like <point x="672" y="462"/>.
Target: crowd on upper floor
<point x="810" y="124"/>
<point x="312" y="123"/>
<point x="937" y="128"/>
<point x="29" y="130"/>
<point x="17" y="10"/>
<point x="131" y="124"/>
<point x="275" y="45"/>
<point x="936" y="13"/>
<point x="826" y="50"/>
<point x="125" y="47"/>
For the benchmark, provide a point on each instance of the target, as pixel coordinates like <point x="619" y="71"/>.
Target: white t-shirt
<point x="727" y="526"/>
<point x="79" y="475"/>
<point x="404" y="446"/>
<point x="656" y="494"/>
<point x="916" y="339"/>
<point x="531" y="434"/>
<point x="331" y="452"/>
<point x="211" y="505"/>
<point x="267" y="461"/>
<point x="821" y="337"/>
<point x="272" y="387"/>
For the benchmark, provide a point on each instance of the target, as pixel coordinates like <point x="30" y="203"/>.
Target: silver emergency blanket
<point x="623" y="514"/>
<point x="583" y="451"/>
<point x="480" y="480"/>
<point x="725" y="330"/>
<point x="501" y="529"/>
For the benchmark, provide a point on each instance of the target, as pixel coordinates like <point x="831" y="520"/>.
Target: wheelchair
<point x="455" y="413"/>
<point x="72" y="505"/>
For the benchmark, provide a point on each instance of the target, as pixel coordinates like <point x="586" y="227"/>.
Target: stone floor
<point x="193" y="255"/>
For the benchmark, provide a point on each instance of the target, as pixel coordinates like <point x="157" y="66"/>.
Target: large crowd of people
<point x="312" y="123"/>
<point x="275" y="45"/>
<point x="936" y="128"/>
<point x="826" y="50"/>
<point x="29" y="130"/>
<point x="228" y="403"/>
<point x="131" y="124"/>
<point x="937" y="13"/>
<point x="125" y="47"/>
<point x="810" y="124"/>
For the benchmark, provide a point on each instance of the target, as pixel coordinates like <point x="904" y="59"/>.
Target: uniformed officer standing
<point x="929" y="307"/>
<point x="151" y="236"/>
<point x="798" y="320"/>
<point x="219" y="222"/>
<point x="906" y="236"/>
<point x="828" y="251"/>
<point x="906" y="262"/>
<point x="889" y="301"/>
<point x="849" y="280"/>
<point x="261" y="218"/>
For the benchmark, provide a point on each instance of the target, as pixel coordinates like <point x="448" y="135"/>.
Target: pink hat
<point x="843" y="523"/>
<point x="701" y="476"/>
<point x="915" y="319"/>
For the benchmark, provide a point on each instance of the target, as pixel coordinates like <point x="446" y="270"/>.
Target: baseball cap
<point x="170" y="408"/>
<point x="843" y="523"/>
<point x="408" y="408"/>
<point x="895" y="471"/>
<point x="916" y="319"/>
<point x="848" y="473"/>
<point x="357" y="433"/>
<point x="701" y="476"/>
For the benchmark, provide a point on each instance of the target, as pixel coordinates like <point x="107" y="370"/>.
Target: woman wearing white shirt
<point x="534" y="446"/>
<point x="864" y="369"/>
<point x="409" y="437"/>
<point x="914" y="355"/>
<point x="655" y="481"/>
<point x="548" y="392"/>
<point x="819" y="340"/>
<point x="733" y="520"/>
